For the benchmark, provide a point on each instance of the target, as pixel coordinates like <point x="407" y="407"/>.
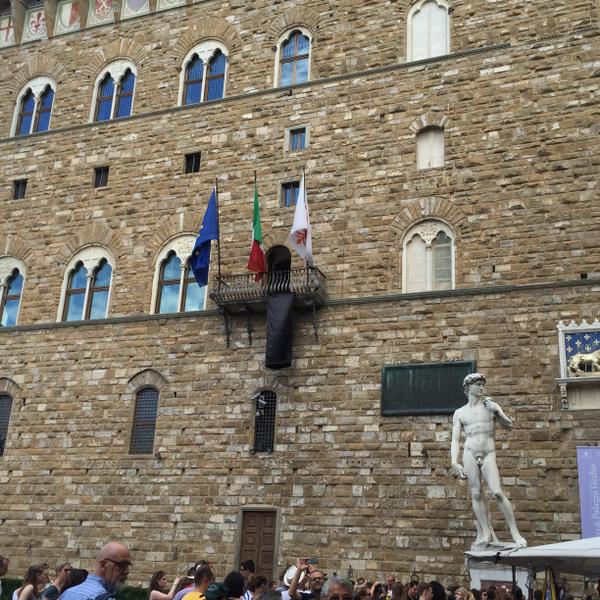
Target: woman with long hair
<point x="33" y="583"/>
<point x="158" y="587"/>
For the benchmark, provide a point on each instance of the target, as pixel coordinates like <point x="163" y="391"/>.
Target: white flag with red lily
<point x="301" y="235"/>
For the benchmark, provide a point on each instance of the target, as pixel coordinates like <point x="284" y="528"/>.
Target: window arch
<point x="175" y="288"/>
<point x="428" y="257"/>
<point x="430" y="148"/>
<point x="428" y="29"/>
<point x="12" y="279"/>
<point x="293" y="58"/>
<point x="5" y="409"/>
<point x="144" y="421"/>
<point x="114" y="91"/>
<point x="33" y="108"/>
<point x="87" y="285"/>
<point x="264" y="421"/>
<point x="203" y="74"/>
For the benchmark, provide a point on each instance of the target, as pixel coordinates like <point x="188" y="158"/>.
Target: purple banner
<point x="588" y="467"/>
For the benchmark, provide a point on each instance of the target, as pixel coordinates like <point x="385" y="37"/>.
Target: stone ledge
<point x="399" y="297"/>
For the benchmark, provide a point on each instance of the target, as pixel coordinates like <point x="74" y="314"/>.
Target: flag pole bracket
<point x="227" y="327"/>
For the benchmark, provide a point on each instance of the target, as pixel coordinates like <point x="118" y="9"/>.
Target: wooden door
<point x="258" y="540"/>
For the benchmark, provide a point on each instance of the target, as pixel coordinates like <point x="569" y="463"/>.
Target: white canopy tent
<point x="580" y="557"/>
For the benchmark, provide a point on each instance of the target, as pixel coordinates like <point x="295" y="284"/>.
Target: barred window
<point x="144" y="421"/>
<point x="5" y="408"/>
<point x="264" y="421"/>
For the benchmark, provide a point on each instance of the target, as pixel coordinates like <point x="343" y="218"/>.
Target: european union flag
<point x="200" y="259"/>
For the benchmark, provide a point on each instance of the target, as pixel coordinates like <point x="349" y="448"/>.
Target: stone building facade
<point x="515" y="98"/>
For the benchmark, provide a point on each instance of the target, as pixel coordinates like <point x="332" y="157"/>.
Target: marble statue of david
<point x="477" y="419"/>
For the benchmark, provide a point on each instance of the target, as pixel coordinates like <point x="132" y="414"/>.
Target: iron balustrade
<point x="308" y="284"/>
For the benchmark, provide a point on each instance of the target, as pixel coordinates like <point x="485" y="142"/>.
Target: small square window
<point x="19" y="188"/>
<point x="192" y="162"/>
<point x="289" y="193"/>
<point x="297" y="139"/>
<point x="100" y="177"/>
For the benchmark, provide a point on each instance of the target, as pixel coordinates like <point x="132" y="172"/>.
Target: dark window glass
<point x="264" y="421"/>
<point x="168" y="284"/>
<point x="44" y="110"/>
<point x="192" y="162"/>
<point x="101" y="177"/>
<point x="75" y="294"/>
<point x="294" y="59"/>
<point x="289" y="193"/>
<point x="298" y="139"/>
<point x="19" y="188"/>
<point x="192" y="88"/>
<point x="125" y="94"/>
<point x="26" y="113"/>
<point x="193" y="294"/>
<point x="99" y="288"/>
<point x="11" y="296"/>
<point x="144" y="422"/>
<point x="5" y="408"/>
<point x="104" y="101"/>
<point x="424" y="389"/>
<point x="215" y="78"/>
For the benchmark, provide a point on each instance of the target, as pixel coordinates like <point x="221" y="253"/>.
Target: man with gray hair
<point x="478" y="419"/>
<point x="337" y="588"/>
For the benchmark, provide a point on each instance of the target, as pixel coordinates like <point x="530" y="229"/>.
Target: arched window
<point x="169" y="284"/>
<point x="215" y="77"/>
<point x="279" y="265"/>
<point x="144" y="421"/>
<point x="114" y="91"/>
<point x="104" y="101"/>
<point x="428" y="29"/>
<point x="87" y="285"/>
<point x="98" y="291"/>
<point x="10" y="298"/>
<point x="428" y="257"/>
<point x="175" y="287"/>
<point x="34" y="106"/>
<point x="294" y="59"/>
<point x="125" y="94"/>
<point x="264" y="421"/>
<point x="430" y="148"/>
<point x="203" y="73"/>
<point x="5" y="410"/>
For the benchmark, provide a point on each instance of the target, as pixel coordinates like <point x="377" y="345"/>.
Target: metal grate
<point x="5" y="408"/>
<point x="264" y="421"/>
<point x="144" y="422"/>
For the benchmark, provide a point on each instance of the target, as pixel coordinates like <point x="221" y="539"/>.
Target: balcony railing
<point x="240" y="292"/>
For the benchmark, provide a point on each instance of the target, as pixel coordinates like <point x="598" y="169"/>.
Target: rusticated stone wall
<point x="343" y="477"/>
<point x="518" y="100"/>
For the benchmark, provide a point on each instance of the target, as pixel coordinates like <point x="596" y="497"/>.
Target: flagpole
<point x="219" y="229"/>
<point x="304" y="205"/>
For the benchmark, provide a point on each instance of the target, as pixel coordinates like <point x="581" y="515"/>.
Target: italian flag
<point x="256" y="262"/>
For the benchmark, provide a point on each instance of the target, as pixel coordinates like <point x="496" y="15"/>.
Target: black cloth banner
<point x="279" y="330"/>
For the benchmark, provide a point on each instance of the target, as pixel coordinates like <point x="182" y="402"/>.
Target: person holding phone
<point x="316" y="579"/>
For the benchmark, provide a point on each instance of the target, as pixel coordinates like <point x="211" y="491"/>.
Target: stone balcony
<point x="242" y="293"/>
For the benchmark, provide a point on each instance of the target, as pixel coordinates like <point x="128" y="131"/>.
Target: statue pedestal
<point x="484" y="571"/>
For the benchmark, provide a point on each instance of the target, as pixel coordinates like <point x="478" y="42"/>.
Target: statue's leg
<point x="489" y="470"/>
<point x="484" y="535"/>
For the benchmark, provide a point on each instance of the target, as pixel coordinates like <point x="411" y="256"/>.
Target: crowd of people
<point x="304" y="581"/>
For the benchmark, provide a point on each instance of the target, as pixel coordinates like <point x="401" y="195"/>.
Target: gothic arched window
<point x="428" y="257"/>
<point x="428" y="29"/>
<point x="294" y="59"/>
<point x="114" y="91"/>
<point x="34" y="106"/>
<point x="10" y="298"/>
<point x="203" y="74"/>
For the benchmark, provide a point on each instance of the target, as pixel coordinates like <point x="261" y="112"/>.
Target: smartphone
<point x="313" y="561"/>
